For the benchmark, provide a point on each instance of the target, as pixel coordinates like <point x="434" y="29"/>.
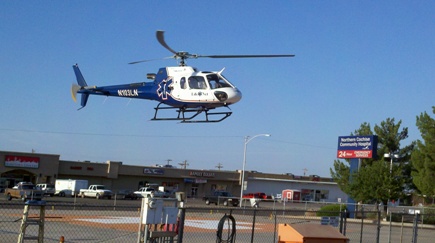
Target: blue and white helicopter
<point x="184" y="89"/>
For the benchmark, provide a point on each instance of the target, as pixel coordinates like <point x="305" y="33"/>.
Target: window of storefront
<point x="324" y="194"/>
<point x="194" y="190"/>
<point x="314" y="195"/>
<point x="307" y="195"/>
<point x="220" y="187"/>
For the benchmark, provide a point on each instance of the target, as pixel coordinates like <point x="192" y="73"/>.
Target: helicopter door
<point x="182" y="91"/>
<point x="197" y="82"/>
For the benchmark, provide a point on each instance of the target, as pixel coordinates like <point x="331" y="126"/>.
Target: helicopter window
<point x="216" y="82"/>
<point x="183" y="83"/>
<point x="197" y="82"/>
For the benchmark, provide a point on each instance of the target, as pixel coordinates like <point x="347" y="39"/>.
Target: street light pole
<point x="247" y="140"/>
<point x="392" y="156"/>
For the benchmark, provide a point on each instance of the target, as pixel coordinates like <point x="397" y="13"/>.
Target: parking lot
<point x="189" y="202"/>
<point x="116" y="220"/>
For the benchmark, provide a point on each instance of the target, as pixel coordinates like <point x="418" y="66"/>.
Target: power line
<point x="153" y="136"/>
<point x="112" y="134"/>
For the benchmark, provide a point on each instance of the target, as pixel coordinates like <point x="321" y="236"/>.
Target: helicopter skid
<point x="182" y="112"/>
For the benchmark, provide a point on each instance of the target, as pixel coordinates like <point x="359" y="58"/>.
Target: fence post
<point x="401" y="228"/>
<point x="362" y="223"/>
<point x="389" y="230"/>
<point x="253" y="225"/>
<point x="342" y="220"/>
<point x="378" y="229"/>
<point x="274" y="230"/>
<point x="415" y="228"/>
<point x="345" y="221"/>
<point x="181" y="225"/>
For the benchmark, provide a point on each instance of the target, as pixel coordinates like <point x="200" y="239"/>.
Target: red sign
<point x="349" y="154"/>
<point x="21" y="161"/>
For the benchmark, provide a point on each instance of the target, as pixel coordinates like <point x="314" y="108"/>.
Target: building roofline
<point x="295" y="181"/>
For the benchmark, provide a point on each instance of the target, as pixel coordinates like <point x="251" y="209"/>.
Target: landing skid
<point x="182" y="112"/>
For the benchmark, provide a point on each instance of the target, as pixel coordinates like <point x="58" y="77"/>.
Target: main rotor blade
<point x="150" y="60"/>
<point x="244" y="56"/>
<point x="161" y="39"/>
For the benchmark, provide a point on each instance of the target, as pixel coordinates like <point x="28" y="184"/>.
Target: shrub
<point x="429" y="215"/>
<point x="330" y="210"/>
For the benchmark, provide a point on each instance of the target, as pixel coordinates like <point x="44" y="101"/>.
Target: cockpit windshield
<point x="215" y="81"/>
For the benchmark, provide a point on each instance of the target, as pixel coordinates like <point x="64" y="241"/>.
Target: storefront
<point x="46" y="168"/>
<point x="311" y="190"/>
<point x="36" y="168"/>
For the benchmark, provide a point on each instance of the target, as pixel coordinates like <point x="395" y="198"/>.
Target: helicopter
<point x="182" y="88"/>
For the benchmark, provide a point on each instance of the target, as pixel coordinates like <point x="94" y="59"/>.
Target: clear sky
<point x="356" y="62"/>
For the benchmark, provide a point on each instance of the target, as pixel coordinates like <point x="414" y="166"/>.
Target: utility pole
<point x="219" y="166"/>
<point x="305" y="171"/>
<point x="169" y="160"/>
<point x="184" y="164"/>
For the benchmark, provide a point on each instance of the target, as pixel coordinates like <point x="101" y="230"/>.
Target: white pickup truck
<point x="148" y="192"/>
<point x="97" y="191"/>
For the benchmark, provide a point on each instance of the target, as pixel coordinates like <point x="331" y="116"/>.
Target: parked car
<point x="221" y="198"/>
<point x="260" y="195"/>
<point x="126" y="194"/>
<point x="47" y="189"/>
<point x="248" y="195"/>
<point x="148" y="192"/>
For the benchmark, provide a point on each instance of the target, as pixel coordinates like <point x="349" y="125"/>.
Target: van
<point x="47" y="188"/>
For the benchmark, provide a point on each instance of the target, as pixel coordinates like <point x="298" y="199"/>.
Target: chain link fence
<point x="92" y="223"/>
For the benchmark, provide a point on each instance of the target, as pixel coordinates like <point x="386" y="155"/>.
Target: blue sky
<point x="356" y="61"/>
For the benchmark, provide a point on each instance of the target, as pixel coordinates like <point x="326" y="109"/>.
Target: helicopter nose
<point x="236" y="97"/>
<point x="229" y="96"/>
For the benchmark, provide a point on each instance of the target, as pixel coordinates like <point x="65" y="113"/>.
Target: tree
<point x="374" y="181"/>
<point x="341" y="175"/>
<point x="423" y="157"/>
<point x="389" y="139"/>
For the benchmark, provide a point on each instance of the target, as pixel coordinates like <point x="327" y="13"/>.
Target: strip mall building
<point x="46" y="168"/>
